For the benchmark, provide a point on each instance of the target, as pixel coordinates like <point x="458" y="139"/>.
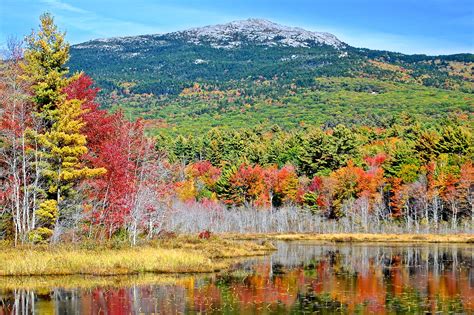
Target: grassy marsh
<point x="179" y="255"/>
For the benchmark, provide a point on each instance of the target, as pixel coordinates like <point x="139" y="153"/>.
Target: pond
<point x="300" y="278"/>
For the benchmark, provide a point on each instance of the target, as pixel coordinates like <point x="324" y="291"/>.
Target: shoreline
<point x="83" y="281"/>
<point x="356" y="237"/>
<point x="179" y="255"/>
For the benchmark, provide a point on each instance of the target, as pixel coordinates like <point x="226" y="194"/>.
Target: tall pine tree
<point x="60" y="144"/>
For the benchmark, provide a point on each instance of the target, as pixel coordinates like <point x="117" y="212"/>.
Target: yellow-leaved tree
<point x="58" y="141"/>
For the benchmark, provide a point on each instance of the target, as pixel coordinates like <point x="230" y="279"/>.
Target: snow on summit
<point x="234" y="34"/>
<point x="231" y="35"/>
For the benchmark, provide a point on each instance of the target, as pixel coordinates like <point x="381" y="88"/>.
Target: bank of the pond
<point x="183" y="254"/>
<point x="357" y="237"/>
<point x="176" y="255"/>
<point x="91" y="281"/>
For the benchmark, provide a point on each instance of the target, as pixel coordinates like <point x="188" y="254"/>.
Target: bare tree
<point x="18" y="163"/>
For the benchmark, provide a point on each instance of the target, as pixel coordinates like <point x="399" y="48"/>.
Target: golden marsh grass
<point x="180" y="255"/>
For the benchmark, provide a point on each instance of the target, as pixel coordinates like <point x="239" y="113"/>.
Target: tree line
<point x="399" y="172"/>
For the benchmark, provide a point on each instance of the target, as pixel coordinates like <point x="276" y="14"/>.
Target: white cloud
<point x="61" y="5"/>
<point x="100" y="26"/>
<point x="91" y="24"/>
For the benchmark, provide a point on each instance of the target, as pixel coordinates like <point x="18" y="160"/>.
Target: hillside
<point x="258" y="72"/>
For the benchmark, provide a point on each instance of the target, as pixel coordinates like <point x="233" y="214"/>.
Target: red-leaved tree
<point x="120" y="147"/>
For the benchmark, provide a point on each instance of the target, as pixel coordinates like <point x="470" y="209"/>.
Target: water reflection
<point x="299" y="278"/>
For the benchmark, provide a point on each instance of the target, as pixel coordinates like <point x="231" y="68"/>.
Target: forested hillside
<point x="253" y="72"/>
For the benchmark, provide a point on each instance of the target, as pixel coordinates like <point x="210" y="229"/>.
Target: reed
<point x="180" y="255"/>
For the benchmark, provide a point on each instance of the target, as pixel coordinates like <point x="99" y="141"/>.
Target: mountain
<point x="227" y="36"/>
<point x="256" y="31"/>
<point x="165" y="63"/>
<point x="224" y="74"/>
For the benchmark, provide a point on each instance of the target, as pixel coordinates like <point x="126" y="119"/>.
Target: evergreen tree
<point x="454" y="140"/>
<point x="60" y="144"/>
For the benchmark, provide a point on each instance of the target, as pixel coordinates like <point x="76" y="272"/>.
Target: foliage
<point x="360" y="142"/>
<point x="59" y="142"/>
<point x="156" y="77"/>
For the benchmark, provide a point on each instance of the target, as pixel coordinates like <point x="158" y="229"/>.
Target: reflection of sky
<point x="410" y="26"/>
<point x="424" y="278"/>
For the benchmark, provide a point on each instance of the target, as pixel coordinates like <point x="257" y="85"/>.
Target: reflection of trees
<point x="262" y="289"/>
<point x="17" y="302"/>
<point x="432" y="277"/>
<point x="133" y="300"/>
<point x="299" y="277"/>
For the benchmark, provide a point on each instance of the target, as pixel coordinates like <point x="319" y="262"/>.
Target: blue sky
<point x="409" y="26"/>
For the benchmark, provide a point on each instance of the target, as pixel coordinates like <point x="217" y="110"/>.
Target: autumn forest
<point x="71" y="170"/>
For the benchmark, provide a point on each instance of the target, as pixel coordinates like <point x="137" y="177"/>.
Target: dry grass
<point x="219" y="247"/>
<point x="180" y="255"/>
<point x="104" y="262"/>
<point x="359" y="237"/>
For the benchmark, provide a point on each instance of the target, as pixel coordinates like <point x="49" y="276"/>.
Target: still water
<point x="300" y="278"/>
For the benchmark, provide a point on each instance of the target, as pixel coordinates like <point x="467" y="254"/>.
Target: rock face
<point x="226" y="36"/>
<point x="256" y="31"/>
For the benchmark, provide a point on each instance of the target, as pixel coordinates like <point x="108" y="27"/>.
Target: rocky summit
<point x="256" y="31"/>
